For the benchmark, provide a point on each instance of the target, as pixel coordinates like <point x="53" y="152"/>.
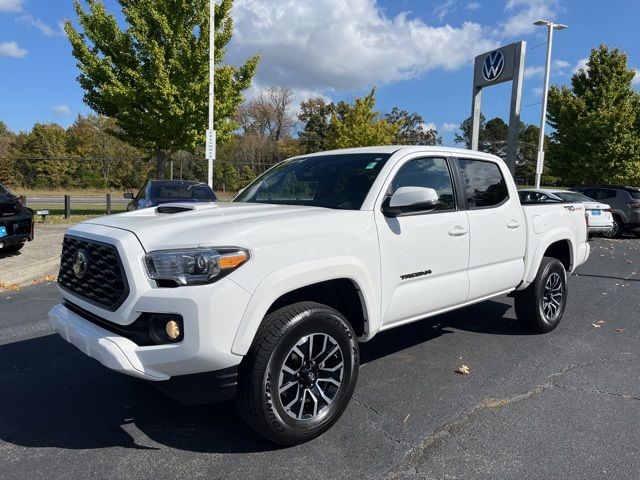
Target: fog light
<point x="173" y="329"/>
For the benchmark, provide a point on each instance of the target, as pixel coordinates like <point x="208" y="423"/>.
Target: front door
<point x="424" y="256"/>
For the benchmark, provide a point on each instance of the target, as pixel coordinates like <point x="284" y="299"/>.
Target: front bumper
<point x="19" y="228"/>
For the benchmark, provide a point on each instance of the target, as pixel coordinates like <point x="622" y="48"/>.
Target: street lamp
<point x="545" y="93"/>
<point x="210" y="150"/>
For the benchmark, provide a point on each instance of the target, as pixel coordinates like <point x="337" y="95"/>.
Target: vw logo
<point x="80" y="263"/>
<point x="493" y="65"/>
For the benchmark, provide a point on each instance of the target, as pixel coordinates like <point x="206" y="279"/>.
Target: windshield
<point x="332" y="181"/>
<point x="176" y="191"/>
<point x="573" y="197"/>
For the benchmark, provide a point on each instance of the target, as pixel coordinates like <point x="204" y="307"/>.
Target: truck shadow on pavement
<point x="54" y="396"/>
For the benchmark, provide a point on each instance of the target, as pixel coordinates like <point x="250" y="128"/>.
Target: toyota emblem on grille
<point x="80" y="263"/>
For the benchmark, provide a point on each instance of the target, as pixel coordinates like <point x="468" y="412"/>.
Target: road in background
<point x="561" y="405"/>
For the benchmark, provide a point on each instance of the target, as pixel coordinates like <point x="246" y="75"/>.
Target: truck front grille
<point x="102" y="281"/>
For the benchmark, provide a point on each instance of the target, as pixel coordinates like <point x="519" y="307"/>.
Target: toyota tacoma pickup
<point x="266" y="298"/>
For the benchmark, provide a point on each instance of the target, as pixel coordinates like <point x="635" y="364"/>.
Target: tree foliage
<point x="152" y="77"/>
<point x="359" y="125"/>
<point x="596" y="123"/>
<point x="412" y="129"/>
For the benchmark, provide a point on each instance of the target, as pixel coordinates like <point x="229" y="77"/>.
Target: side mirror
<point x="128" y="195"/>
<point x="410" y="200"/>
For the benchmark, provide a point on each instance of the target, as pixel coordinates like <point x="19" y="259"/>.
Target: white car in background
<point x="599" y="218"/>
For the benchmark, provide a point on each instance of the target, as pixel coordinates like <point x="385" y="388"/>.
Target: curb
<point x="25" y="276"/>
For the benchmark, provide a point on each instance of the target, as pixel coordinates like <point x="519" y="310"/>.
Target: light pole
<point x="545" y="93"/>
<point x="210" y="150"/>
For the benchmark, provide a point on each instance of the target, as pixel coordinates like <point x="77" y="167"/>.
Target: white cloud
<point x="537" y="92"/>
<point x="449" y="127"/>
<point x="62" y="110"/>
<point x="10" y="5"/>
<point x="429" y="126"/>
<point x="525" y="12"/>
<point x="472" y="6"/>
<point x="329" y="45"/>
<point x="47" y="30"/>
<point x="11" y="49"/>
<point x="444" y="9"/>
<point x="582" y="64"/>
<point x="636" y="80"/>
<point x="557" y="68"/>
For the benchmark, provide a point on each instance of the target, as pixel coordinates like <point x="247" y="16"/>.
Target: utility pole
<point x="210" y="150"/>
<point x="545" y="93"/>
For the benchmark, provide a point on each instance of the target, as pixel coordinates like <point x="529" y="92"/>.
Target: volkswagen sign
<point x="493" y="65"/>
<point x="80" y="263"/>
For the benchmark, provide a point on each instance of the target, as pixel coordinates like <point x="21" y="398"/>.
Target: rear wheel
<point x="616" y="230"/>
<point x="541" y="305"/>
<point x="299" y="375"/>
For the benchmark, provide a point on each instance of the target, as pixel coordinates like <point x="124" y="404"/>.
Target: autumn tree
<point x="152" y="77"/>
<point x="412" y="129"/>
<point x="359" y="125"/>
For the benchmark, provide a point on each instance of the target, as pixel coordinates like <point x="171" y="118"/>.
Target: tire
<point x="616" y="231"/>
<point x="541" y="305"/>
<point x="12" y="248"/>
<point x="288" y="391"/>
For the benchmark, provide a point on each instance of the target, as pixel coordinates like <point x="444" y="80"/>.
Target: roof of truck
<point x="391" y="149"/>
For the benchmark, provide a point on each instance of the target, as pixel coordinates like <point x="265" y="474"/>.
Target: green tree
<point x="152" y="78"/>
<point x="464" y="137"/>
<point x="596" y="123"/>
<point x="8" y="173"/>
<point x="315" y="114"/>
<point x="359" y="125"/>
<point x="412" y="129"/>
<point x="41" y="156"/>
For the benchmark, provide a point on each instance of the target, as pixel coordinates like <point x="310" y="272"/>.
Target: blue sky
<point x="418" y="53"/>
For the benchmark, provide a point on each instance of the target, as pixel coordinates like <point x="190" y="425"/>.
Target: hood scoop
<point x="172" y="208"/>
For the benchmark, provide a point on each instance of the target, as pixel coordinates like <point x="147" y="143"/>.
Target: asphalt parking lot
<point x="562" y="405"/>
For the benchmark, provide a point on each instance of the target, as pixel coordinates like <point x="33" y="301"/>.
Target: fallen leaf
<point x="619" y="330"/>
<point x="600" y="321"/>
<point x="595" y="325"/>
<point x="406" y="418"/>
<point x="463" y="370"/>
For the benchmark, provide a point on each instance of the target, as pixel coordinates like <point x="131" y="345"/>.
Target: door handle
<point x="458" y="231"/>
<point x="513" y="224"/>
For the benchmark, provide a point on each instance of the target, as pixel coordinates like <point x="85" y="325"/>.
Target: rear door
<point x="497" y="228"/>
<point x="424" y="256"/>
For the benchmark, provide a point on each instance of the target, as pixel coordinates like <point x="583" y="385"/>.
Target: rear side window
<point x="484" y="184"/>
<point x="429" y="173"/>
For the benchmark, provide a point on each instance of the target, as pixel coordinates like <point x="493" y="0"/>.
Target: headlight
<point x="194" y="266"/>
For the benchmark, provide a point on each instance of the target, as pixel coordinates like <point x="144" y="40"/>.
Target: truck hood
<point x="247" y="225"/>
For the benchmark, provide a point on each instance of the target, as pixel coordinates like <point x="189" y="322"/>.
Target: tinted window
<point x="2" y="190"/>
<point x="635" y="194"/>
<point x="430" y="173"/>
<point x="183" y="192"/>
<point x="484" y="183"/>
<point x="573" y="197"/>
<point x="527" y="196"/>
<point x="332" y="181"/>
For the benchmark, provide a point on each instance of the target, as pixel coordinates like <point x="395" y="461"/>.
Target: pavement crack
<point x="378" y="427"/>
<point x="599" y="392"/>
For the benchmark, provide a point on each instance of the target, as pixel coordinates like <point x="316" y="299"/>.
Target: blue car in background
<point x="157" y="192"/>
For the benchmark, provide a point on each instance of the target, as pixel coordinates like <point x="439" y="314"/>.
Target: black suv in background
<point x="624" y="202"/>
<point x="156" y="192"/>
<point x="16" y="222"/>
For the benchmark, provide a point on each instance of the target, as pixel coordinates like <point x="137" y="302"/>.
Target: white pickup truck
<point x="265" y="299"/>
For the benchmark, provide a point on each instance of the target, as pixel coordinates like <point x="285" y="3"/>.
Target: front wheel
<point x="299" y="375"/>
<point x="541" y="305"/>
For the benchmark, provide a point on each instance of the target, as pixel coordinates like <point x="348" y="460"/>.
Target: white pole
<point x="543" y="112"/>
<point x="211" y="133"/>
